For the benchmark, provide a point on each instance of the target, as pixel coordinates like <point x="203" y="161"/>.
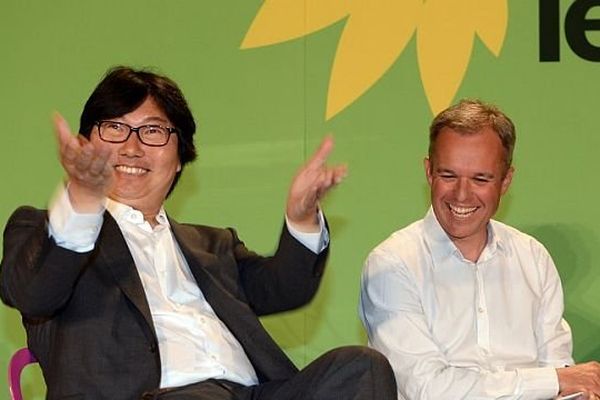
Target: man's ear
<point x="506" y="181"/>
<point x="428" y="172"/>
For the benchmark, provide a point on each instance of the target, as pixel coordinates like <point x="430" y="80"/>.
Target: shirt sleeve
<point x="555" y="341"/>
<point x="69" y="229"/>
<point x="390" y="308"/>
<point x="315" y="242"/>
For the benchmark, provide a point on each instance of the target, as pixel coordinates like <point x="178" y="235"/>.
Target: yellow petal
<point x="491" y="18"/>
<point x="281" y="20"/>
<point x="444" y="43"/>
<point x="373" y="38"/>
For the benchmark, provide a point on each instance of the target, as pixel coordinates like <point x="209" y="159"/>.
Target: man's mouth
<point x="124" y="169"/>
<point x="461" y="212"/>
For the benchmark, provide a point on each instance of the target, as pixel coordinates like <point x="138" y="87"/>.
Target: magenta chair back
<point x="18" y="361"/>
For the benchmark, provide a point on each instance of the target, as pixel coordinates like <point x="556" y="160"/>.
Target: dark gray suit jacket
<point x="88" y="321"/>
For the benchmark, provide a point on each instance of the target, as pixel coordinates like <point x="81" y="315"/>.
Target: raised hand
<point x="87" y="167"/>
<point x="309" y="185"/>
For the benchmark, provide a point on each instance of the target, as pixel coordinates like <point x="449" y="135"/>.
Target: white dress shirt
<point x="454" y="329"/>
<point x="194" y="343"/>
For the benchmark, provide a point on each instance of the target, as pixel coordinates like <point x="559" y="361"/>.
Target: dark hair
<point x="469" y="117"/>
<point x="123" y="89"/>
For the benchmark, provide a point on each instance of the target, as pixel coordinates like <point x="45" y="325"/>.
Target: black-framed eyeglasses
<point x="119" y="132"/>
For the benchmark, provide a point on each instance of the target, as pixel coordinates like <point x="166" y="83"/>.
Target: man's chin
<point x="127" y="198"/>
<point x="460" y="230"/>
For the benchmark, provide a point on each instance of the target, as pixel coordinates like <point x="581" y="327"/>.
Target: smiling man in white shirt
<point x="121" y="302"/>
<point x="463" y="306"/>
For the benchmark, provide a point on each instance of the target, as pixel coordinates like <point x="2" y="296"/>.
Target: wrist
<point x="83" y="200"/>
<point x="306" y="224"/>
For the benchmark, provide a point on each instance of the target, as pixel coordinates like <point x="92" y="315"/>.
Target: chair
<point x="18" y="361"/>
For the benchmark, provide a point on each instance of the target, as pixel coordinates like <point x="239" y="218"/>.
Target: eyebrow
<point x="152" y="119"/>
<point x="477" y="175"/>
<point x="485" y="175"/>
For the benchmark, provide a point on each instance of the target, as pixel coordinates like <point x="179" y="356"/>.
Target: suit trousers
<point x="347" y="373"/>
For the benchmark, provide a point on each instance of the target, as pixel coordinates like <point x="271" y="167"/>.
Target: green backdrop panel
<point x="262" y="110"/>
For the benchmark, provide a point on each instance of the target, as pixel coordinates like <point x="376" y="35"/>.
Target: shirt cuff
<point x="538" y="383"/>
<point x="315" y="242"/>
<point x="69" y="229"/>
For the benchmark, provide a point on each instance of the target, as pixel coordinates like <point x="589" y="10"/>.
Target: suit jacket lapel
<point x="117" y="257"/>
<point x="225" y="305"/>
<point x="269" y="361"/>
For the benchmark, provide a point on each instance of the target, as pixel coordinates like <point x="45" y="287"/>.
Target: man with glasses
<point x="122" y="302"/>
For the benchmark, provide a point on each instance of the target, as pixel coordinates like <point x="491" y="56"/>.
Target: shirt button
<point x="481" y="309"/>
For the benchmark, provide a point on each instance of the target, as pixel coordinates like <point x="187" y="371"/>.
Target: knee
<point x="360" y="355"/>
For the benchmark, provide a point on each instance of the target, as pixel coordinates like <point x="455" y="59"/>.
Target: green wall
<point x="262" y="110"/>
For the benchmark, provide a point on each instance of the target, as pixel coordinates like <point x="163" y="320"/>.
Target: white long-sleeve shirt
<point x="454" y="329"/>
<point x="194" y="343"/>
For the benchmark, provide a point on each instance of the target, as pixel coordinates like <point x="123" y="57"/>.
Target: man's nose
<point x="462" y="189"/>
<point x="132" y="147"/>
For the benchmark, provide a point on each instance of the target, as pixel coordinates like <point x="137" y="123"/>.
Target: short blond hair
<point x="471" y="116"/>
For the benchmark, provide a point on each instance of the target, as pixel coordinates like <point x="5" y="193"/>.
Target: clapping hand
<point x="310" y="184"/>
<point x="87" y="166"/>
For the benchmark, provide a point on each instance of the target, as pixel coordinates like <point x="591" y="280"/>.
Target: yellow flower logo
<point x="377" y="31"/>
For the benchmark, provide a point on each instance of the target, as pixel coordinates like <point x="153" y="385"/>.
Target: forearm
<point x="37" y="276"/>
<point x="424" y="373"/>
<point x="471" y="384"/>
<point x="287" y="280"/>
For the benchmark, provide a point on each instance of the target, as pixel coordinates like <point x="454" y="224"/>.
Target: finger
<point x="69" y="154"/>
<point x="340" y="172"/>
<point x="68" y="146"/>
<point x="320" y="156"/>
<point x="331" y="177"/>
<point x="321" y="185"/>
<point x="82" y="140"/>
<point x="85" y="151"/>
<point x="62" y="130"/>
